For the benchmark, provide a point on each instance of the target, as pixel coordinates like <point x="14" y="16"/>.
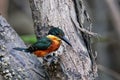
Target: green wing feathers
<point x="41" y="44"/>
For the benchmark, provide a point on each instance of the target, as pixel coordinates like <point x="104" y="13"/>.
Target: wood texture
<point x="16" y="65"/>
<point x="75" y="62"/>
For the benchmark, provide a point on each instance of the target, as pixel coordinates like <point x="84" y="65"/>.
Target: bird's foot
<point x="51" y="59"/>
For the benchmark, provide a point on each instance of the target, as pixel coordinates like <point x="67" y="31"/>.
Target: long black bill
<point x="66" y="40"/>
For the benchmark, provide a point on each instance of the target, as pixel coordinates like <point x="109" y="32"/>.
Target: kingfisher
<point x="47" y="44"/>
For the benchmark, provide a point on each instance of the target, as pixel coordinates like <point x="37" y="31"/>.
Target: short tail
<point x="21" y="49"/>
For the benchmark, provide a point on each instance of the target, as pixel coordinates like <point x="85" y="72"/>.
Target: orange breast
<point x="53" y="47"/>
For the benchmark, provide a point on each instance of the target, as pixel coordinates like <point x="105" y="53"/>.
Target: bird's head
<point x="59" y="33"/>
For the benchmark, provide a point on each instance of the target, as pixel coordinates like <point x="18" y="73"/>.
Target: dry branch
<point x="115" y="14"/>
<point x="15" y="65"/>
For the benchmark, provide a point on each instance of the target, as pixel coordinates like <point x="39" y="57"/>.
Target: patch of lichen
<point x="5" y="70"/>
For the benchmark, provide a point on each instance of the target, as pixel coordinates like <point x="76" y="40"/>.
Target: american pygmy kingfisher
<point x="47" y="44"/>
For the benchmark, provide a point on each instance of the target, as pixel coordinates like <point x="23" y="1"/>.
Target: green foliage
<point x="29" y="38"/>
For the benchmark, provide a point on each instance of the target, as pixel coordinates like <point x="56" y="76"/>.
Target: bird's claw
<point x="50" y="60"/>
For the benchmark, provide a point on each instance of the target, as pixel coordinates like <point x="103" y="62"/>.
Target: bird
<point x="47" y="44"/>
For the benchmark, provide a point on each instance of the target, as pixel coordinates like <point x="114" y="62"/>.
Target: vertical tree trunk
<point x="75" y="63"/>
<point x="4" y="7"/>
<point x="69" y="15"/>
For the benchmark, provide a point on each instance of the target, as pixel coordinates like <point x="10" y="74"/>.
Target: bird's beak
<point x="66" y="40"/>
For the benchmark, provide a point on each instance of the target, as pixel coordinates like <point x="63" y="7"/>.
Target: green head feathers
<point x="59" y="33"/>
<point x="56" y="32"/>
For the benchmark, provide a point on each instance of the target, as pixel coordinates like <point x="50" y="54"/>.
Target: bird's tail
<point x="21" y="49"/>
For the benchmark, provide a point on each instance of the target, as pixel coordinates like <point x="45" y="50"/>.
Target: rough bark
<point x="69" y="15"/>
<point x="16" y="65"/>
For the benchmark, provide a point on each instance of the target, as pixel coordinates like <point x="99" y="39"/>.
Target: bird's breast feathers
<point x="53" y="47"/>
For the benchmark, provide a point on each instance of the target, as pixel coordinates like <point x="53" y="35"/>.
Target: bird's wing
<point x="42" y="44"/>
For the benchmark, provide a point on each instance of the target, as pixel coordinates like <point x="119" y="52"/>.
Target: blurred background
<point x="105" y="15"/>
<point x="18" y="14"/>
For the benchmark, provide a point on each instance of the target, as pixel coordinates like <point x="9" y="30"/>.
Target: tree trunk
<point x="69" y="15"/>
<point x="16" y="65"/>
<point x="75" y="62"/>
